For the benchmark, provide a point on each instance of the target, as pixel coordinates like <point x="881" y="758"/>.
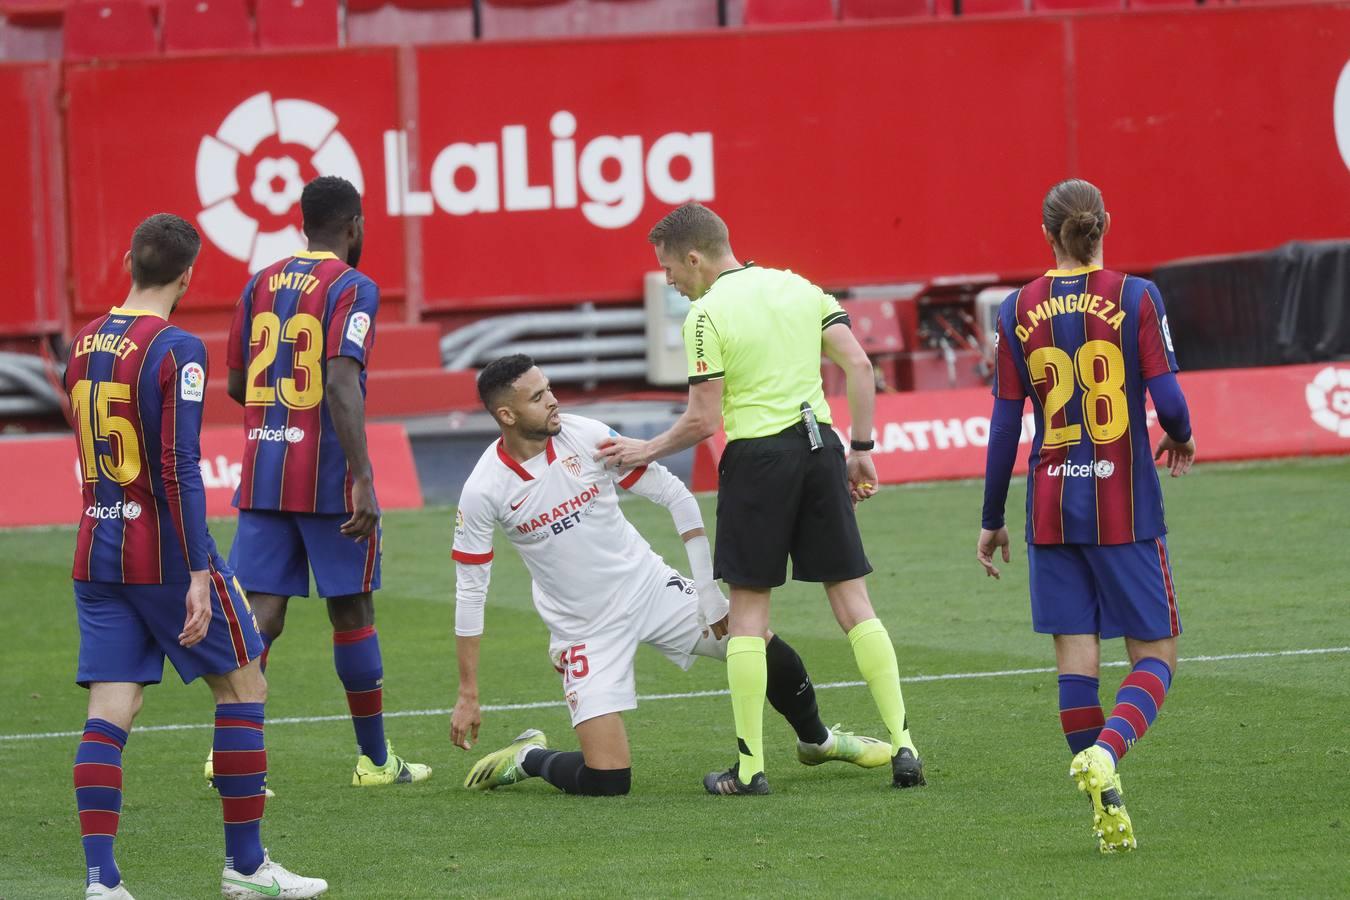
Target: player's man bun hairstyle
<point x="162" y="248"/>
<point x="328" y="203"/>
<point x="499" y="375"/>
<point x="1075" y="216"/>
<point x="691" y="227"/>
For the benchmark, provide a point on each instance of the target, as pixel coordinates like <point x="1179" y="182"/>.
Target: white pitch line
<point x="689" y="695"/>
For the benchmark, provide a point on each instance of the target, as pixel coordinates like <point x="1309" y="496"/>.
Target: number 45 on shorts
<point x="572" y="663"/>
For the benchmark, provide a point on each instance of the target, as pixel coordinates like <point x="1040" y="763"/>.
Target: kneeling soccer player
<point x="144" y="558"/>
<point x="600" y="589"/>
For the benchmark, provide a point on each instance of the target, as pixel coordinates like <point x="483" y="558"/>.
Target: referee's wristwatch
<point x="861" y="446"/>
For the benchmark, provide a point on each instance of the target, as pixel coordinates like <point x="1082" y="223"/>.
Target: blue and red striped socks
<point x="98" y="796"/>
<point x="1140" y="697"/>
<point x="356" y="656"/>
<point x="1080" y="711"/>
<point x="241" y="768"/>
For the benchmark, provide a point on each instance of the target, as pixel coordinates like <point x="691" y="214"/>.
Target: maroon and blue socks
<point x="240" y="761"/>
<point x="1080" y="711"/>
<point x="1140" y="697"/>
<point x="356" y="656"/>
<point x="98" y="796"/>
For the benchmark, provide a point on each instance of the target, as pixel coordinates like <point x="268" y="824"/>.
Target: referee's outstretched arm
<point x="699" y="421"/>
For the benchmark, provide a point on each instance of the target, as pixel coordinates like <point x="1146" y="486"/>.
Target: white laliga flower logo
<point x="270" y="170"/>
<point x="1328" y="396"/>
<point x="258" y="118"/>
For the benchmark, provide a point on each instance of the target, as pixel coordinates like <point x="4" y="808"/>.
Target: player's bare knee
<point x="244" y="685"/>
<point x="351" y="612"/>
<point x="116" y="702"/>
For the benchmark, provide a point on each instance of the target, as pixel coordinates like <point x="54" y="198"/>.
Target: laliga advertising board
<point x="227" y="142"/>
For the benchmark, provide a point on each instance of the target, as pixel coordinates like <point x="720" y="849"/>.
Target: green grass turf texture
<point x="1240" y="789"/>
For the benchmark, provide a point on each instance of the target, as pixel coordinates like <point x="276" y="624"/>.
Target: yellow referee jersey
<point x="759" y="330"/>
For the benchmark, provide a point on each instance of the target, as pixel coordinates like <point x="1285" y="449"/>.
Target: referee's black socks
<point x="791" y="693"/>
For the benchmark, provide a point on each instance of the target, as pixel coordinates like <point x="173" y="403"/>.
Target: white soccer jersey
<point x="561" y="511"/>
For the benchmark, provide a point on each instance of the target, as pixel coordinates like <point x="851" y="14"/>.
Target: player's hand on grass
<point x="198" y="603"/>
<point x="989" y="542"/>
<point x="862" y="476"/>
<point x="464" y="722"/>
<point x="1179" y="456"/>
<point x="365" y="511"/>
<point x="623" y="452"/>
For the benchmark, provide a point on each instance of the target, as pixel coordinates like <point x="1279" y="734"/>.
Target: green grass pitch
<point x="1241" y="788"/>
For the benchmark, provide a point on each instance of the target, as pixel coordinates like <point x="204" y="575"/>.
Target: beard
<point x="545" y="430"/>
<point x="354" y="254"/>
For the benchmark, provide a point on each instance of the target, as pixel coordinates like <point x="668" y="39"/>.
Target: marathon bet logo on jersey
<point x="1328" y="396"/>
<point x="258" y="224"/>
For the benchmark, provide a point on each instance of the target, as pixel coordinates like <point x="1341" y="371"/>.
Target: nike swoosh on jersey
<point x="516" y="506"/>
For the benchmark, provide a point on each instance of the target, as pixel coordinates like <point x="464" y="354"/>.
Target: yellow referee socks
<point x="748" y="677"/>
<point x="875" y="655"/>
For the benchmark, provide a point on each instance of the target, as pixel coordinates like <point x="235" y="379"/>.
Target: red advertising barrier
<point x="530" y="172"/>
<point x="32" y="230"/>
<point x="227" y="142"/>
<point x="36" y="469"/>
<point x="1235" y="413"/>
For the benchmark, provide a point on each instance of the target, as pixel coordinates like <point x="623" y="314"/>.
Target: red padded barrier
<point x="885" y="9"/>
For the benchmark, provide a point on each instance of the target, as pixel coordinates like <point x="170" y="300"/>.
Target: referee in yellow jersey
<point x="754" y="339"/>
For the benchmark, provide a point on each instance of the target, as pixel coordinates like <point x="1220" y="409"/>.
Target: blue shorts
<point x="1112" y="590"/>
<point x="273" y="553"/>
<point x="126" y="630"/>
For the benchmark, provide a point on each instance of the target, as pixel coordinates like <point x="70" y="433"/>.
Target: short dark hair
<point x="691" y="227"/>
<point x="328" y="203"/>
<point x="162" y="248"/>
<point x="499" y="375"/>
<point x="1075" y="216"/>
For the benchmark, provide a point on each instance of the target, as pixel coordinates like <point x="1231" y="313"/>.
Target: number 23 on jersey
<point x="303" y="387"/>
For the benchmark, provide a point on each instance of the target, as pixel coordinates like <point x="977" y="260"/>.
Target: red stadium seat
<point x="1073" y="5"/>
<point x="886" y="9"/>
<point x="200" y="25"/>
<point x="297" y="23"/>
<point x="992" y="7"/>
<point x="637" y="16"/>
<point x="529" y="18"/>
<point x="33" y="12"/>
<point x="108" y="28"/>
<point x="373" y="22"/>
<point x="788" y="12"/>
<point x="1160" y="4"/>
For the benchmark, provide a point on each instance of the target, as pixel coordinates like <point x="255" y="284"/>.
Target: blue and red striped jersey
<point x="293" y="317"/>
<point x="1082" y="343"/>
<point x="136" y="385"/>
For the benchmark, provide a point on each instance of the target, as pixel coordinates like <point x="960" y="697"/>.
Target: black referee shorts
<point x="775" y="499"/>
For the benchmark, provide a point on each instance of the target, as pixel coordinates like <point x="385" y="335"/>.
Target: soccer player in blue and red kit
<point x="299" y="343"/>
<point x="1085" y="344"/>
<point x="148" y="580"/>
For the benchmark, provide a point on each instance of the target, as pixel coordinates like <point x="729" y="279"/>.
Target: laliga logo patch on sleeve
<point x="357" y="327"/>
<point x="1167" y="336"/>
<point x="193" y="382"/>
